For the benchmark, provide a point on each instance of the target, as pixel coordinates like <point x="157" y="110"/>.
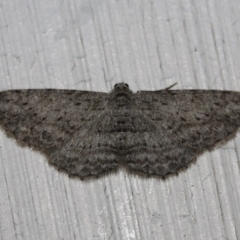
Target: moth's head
<point x="121" y="88"/>
<point x="121" y="85"/>
<point x="121" y="94"/>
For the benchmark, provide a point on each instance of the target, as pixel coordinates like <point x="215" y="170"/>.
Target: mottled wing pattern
<point x="49" y="119"/>
<point x="91" y="154"/>
<point x="189" y="122"/>
<point x="91" y="133"/>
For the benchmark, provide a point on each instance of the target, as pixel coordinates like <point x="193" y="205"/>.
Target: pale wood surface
<point x="92" y="45"/>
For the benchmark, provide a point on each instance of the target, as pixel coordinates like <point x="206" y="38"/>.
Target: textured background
<point x="91" y="45"/>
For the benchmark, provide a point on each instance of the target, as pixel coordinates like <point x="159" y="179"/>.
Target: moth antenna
<point x="170" y="87"/>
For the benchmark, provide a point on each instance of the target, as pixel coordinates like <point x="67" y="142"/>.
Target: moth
<point x="90" y="133"/>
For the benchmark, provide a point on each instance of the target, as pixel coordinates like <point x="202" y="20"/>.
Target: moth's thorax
<point x="121" y="100"/>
